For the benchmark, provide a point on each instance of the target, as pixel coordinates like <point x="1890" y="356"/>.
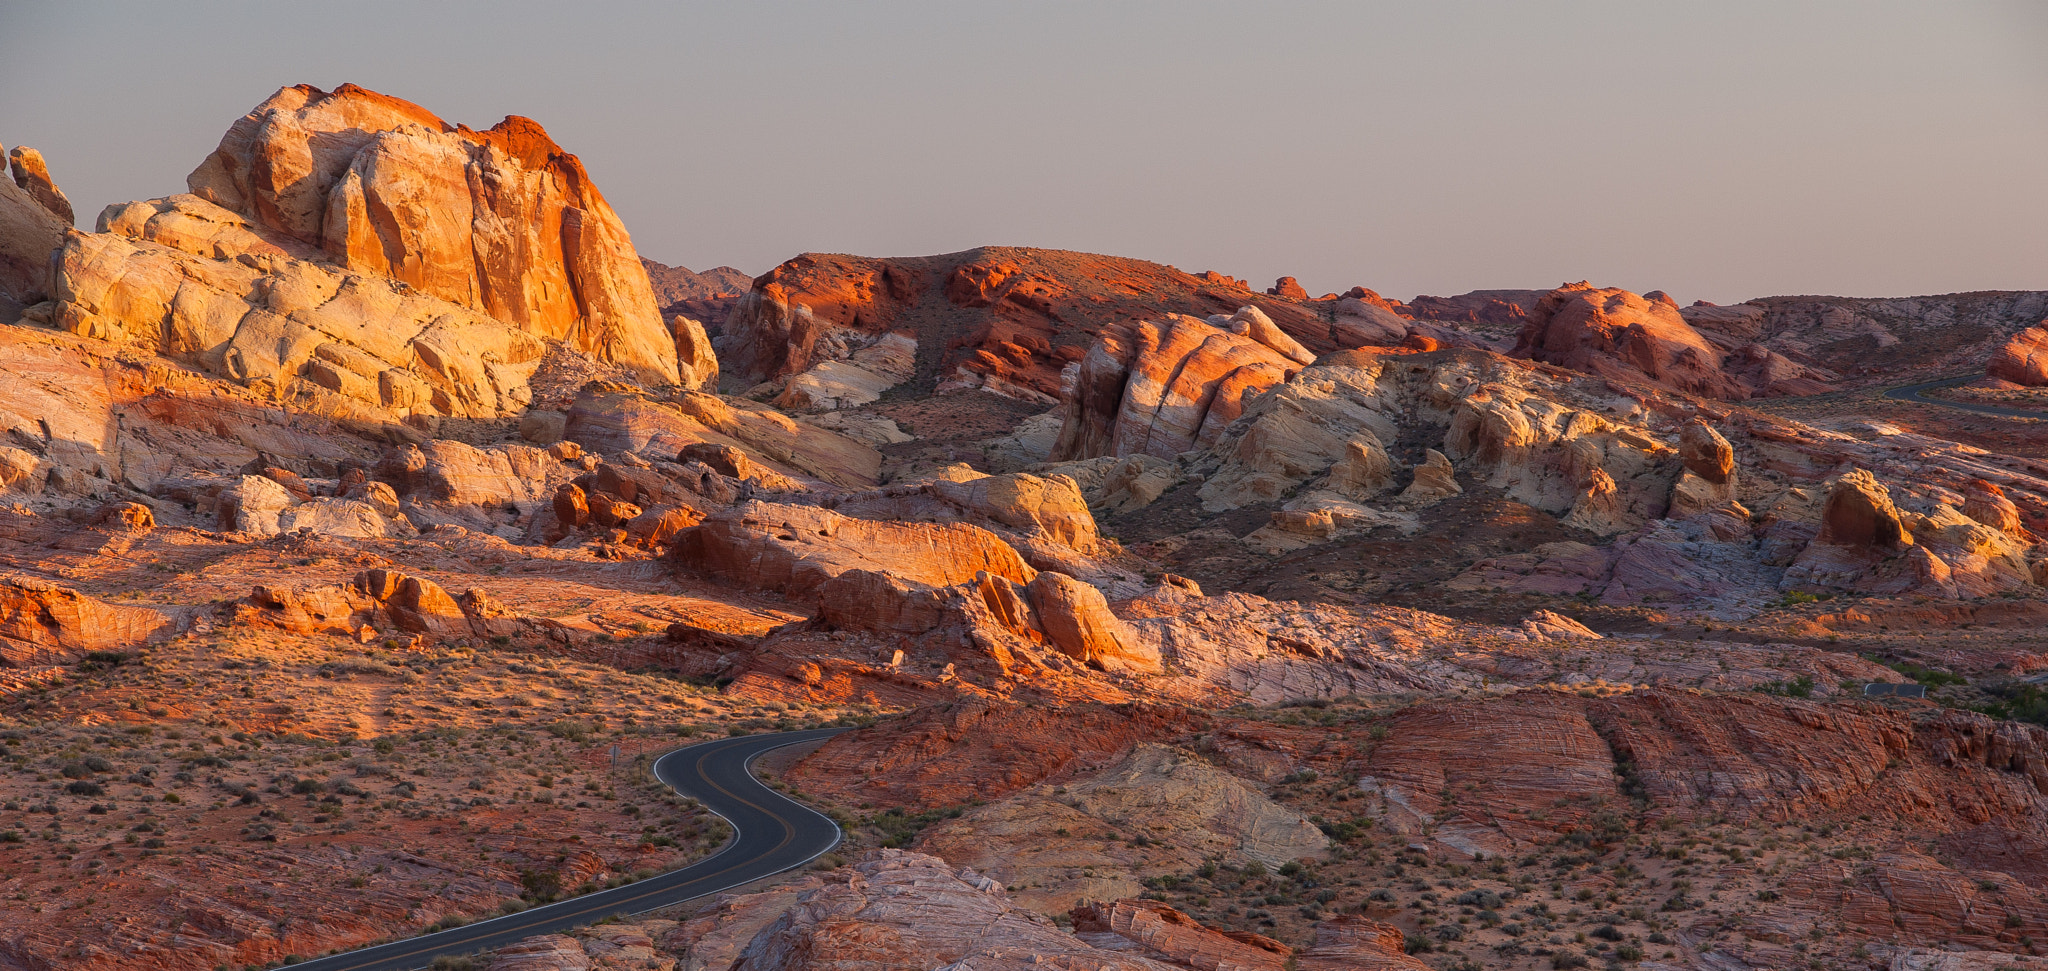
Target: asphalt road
<point x="1912" y="393"/>
<point x="773" y="833"/>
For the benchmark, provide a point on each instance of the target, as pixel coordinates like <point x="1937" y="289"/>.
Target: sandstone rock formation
<point x="500" y="221"/>
<point x="1290" y="620"/>
<point x="929" y="914"/>
<point x="1163" y="388"/>
<point x="1009" y="318"/>
<point x="1165" y="934"/>
<point x="1616" y="333"/>
<point x="29" y="233"/>
<point x="1434" y="480"/>
<point x="2023" y="360"/>
<point x="613" y="417"/>
<point x="44" y="623"/>
<point x="1860" y="514"/>
<point x="796" y="549"/>
<point x="282" y="323"/>
<point x="859" y="379"/>
<point x="32" y="175"/>
<point x="1076" y="619"/>
<point x="1190" y="809"/>
<point x="696" y="361"/>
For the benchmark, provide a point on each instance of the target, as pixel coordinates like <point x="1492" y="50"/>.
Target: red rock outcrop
<point x="1355" y="943"/>
<point x="1162" y="388"/>
<point x="696" y="360"/>
<point x="1289" y="288"/>
<point x="1860" y="514"/>
<point x="29" y="233"/>
<point x="1706" y="454"/>
<point x="1162" y="933"/>
<point x="795" y="549"/>
<point x="1986" y="503"/>
<point x="1002" y="318"/>
<point x="32" y="176"/>
<point x="1076" y="619"/>
<point x="1535" y="749"/>
<point x="1615" y="333"/>
<point x="44" y="623"/>
<point x="283" y="324"/>
<point x="500" y="221"/>
<point x="2023" y="360"/>
<point x="909" y="910"/>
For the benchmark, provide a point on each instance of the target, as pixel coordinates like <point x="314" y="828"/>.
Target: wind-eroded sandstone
<point x="500" y="221"/>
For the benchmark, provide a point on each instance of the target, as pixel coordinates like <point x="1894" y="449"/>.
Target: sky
<point x="1717" y="151"/>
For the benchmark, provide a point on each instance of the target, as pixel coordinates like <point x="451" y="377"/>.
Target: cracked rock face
<point x="501" y="221"/>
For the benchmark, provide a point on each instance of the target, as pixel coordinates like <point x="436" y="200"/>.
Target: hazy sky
<point x="1717" y="150"/>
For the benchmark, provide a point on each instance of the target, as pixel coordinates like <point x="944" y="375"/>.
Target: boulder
<point x="1859" y="513"/>
<point x="2023" y="360"/>
<point x="502" y="222"/>
<point x="1598" y="509"/>
<point x="1076" y="619"/>
<point x="1287" y="288"/>
<point x="1434" y="481"/>
<point x="414" y="604"/>
<point x="503" y="475"/>
<point x="1367" y="323"/>
<point x="722" y="459"/>
<point x="43" y="623"/>
<point x="696" y="362"/>
<point x="1363" y="471"/>
<point x="125" y="517"/>
<point x="18" y="469"/>
<point x="795" y="549"/>
<point x="1706" y="454"/>
<point x="870" y="600"/>
<point x="254" y="504"/>
<point x="1986" y="503"/>
<point x="380" y="496"/>
<point x="32" y="176"/>
<point x="340" y="519"/>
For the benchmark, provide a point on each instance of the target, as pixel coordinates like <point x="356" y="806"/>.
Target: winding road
<point x="772" y="833"/>
<point x="1911" y="392"/>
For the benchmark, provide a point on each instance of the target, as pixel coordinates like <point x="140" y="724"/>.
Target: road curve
<point x="1911" y="392"/>
<point x="772" y="833"/>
